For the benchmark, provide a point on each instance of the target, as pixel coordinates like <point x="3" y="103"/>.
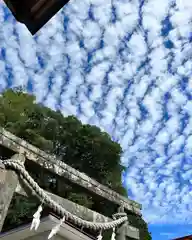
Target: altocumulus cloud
<point x="125" y="66"/>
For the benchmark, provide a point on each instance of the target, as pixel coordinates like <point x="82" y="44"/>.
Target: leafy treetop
<point x="82" y="146"/>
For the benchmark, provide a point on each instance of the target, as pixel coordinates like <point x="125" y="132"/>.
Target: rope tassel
<point x="113" y="234"/>
<point x="56" y="229"/>
<point x="100" y="237"/>
<point x="36" y="219"/>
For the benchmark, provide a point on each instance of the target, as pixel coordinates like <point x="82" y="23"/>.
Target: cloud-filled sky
<point x="126" y="66"/>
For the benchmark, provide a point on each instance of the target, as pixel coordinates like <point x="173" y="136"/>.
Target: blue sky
<point x="169" y="231"/>
<point x="125" y="66"/>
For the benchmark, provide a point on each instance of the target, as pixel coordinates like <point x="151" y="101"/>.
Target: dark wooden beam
<point x="34" y="14"/>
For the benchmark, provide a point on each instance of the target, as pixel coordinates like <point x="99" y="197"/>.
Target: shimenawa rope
<point x="119" y="218"/>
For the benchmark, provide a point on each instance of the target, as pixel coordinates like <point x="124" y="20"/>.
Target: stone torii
<point x="9" y="183"/>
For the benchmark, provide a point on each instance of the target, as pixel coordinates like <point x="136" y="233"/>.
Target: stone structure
<point x="34" y="13"/>
<point x="9" y="183"/>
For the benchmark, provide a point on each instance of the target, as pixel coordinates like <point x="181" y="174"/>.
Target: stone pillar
<point x="125" y="231"/>
<point x="8" y="184"/>
<point x="121" y="230"/>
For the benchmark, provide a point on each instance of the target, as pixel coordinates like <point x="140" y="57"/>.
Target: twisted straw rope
<point x="39" y="192"/>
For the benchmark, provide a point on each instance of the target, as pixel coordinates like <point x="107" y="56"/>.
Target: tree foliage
<point x="82" y="146"/>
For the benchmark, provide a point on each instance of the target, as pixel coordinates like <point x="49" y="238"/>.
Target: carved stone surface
<point x="8" y="184"/>
<point x="60" y="168"/>
<point x="131" y="232"/>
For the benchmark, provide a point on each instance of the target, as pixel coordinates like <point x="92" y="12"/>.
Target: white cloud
<point x="117" y="65"/>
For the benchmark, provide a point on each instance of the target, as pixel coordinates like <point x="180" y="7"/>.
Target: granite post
<point x="8" y="184"/>
<point x="125" y="231"/>
<point x="121" y="230"/>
